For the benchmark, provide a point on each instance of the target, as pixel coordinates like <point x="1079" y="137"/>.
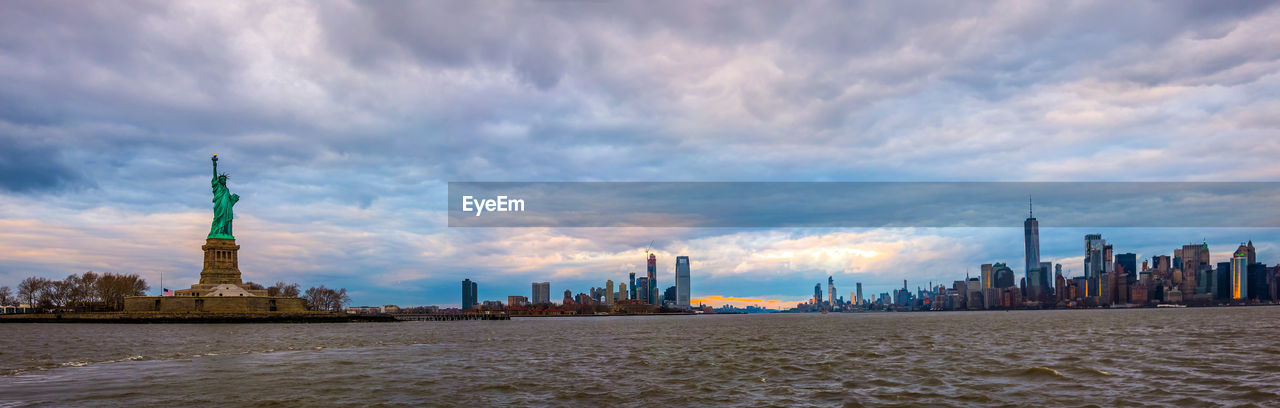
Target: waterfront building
<point x="1257" y="278"/>
<point x="858" y="299"/>
<point x="622" y="292"/>
<point x="568" y="298"/>
<point x="468" y="294"/>
<point x="1194" y="258"/>
<point x="669" y="296"/>
<point x="541" y="293"/>
<point x="517" y="301"/>
<point x="817" y="294"/>
<point x="608" y="292"/>
<point x="1222" y="281"/>
<point x="682" y="282"/>
<point x="1239" y="274"/>
<point x="1138" y="293"/>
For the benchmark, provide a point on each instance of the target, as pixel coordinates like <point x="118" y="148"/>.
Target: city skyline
<point x="1127" y="261"/>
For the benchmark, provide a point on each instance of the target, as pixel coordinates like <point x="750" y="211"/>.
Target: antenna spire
<point x="1030" y="213"/>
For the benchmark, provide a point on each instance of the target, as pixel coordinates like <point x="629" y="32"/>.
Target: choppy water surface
<point x="1148" y="357"/>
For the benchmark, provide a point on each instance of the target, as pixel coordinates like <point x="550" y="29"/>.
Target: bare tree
<point x="322" y="298"/>
<point x="254" y="286"/>
<point x="88" y="287"/>
<point x="58" y="292"/>
<point x="30" y="289"/>
<point x="338" y="299"/>
<point x="112" y="288"/>
<point x="6" y="295"/>
<point x="282" y="289"/>
<point x="77" y="291"/>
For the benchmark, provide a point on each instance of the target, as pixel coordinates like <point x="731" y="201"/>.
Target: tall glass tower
<point x="632" y="292"/>
<point x="1239" y="273"/>
<point x="1031" y="241"/>
<point x="682" y="282"/>
<point x="468" y="294"/>
<point x="831" y="291"/>
<point x="653" y="280"/>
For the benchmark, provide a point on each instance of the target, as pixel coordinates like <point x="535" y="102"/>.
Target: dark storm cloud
<point x="31" y="165"/>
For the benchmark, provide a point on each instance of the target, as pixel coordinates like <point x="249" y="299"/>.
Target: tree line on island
<point x="318" y="297"/>
<point x="94" y="292"/>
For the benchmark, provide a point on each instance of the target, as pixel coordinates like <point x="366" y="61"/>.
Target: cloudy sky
<point x="341" y="124"/>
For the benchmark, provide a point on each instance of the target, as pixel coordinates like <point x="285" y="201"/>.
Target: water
<point x="1146" y="357"/>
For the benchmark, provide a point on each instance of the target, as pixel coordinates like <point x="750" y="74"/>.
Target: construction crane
<point x="647" y="250"/>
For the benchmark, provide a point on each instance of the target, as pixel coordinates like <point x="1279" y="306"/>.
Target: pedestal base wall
<point x="201" y="304"/>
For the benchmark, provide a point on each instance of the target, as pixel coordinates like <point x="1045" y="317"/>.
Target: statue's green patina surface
<point x="223" y="200"/>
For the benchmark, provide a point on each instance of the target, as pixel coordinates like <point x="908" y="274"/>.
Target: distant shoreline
<point x="144" y="318"/>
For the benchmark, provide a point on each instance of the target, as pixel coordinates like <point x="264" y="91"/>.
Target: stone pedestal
<point x="221" y="264"/>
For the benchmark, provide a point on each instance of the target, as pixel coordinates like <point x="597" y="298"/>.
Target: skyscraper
<point x="653" y="280"/>
<point x="1093" y="264"/>
<point x="608" y="292"/>
<point x="1252" y="255"/>
<point x="831" y="291"/>
<point x="1130" y="263"/>
<point x="987" y="278"/>
<point x="641" y="292"/>
<point x="682" y="281"/>
<point x="632" y="293"/>
<point x="817" y="294"/>
<point x="541" y="293"/>
<point x="468" y="294"/>
<point x="1046" y="281"/>
<point x="1031" y="246"/>
<point x="858" y="300"/>
<point x="1195" y="257"/>
<point x="1239" y="273"/>
<point x="622" y="291"/>
<point x="1003" y="275"/>
<point x="1222" y="281"/>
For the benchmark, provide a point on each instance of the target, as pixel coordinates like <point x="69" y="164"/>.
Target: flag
<point x="167" y="292"/>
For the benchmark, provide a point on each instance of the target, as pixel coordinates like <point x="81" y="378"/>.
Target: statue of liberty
<point x="223" y="200"/>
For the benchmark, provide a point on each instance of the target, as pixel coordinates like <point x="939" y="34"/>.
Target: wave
<point x="1041" y="372"/>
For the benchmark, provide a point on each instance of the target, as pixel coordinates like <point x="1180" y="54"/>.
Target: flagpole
<point x="161" y="283"/>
